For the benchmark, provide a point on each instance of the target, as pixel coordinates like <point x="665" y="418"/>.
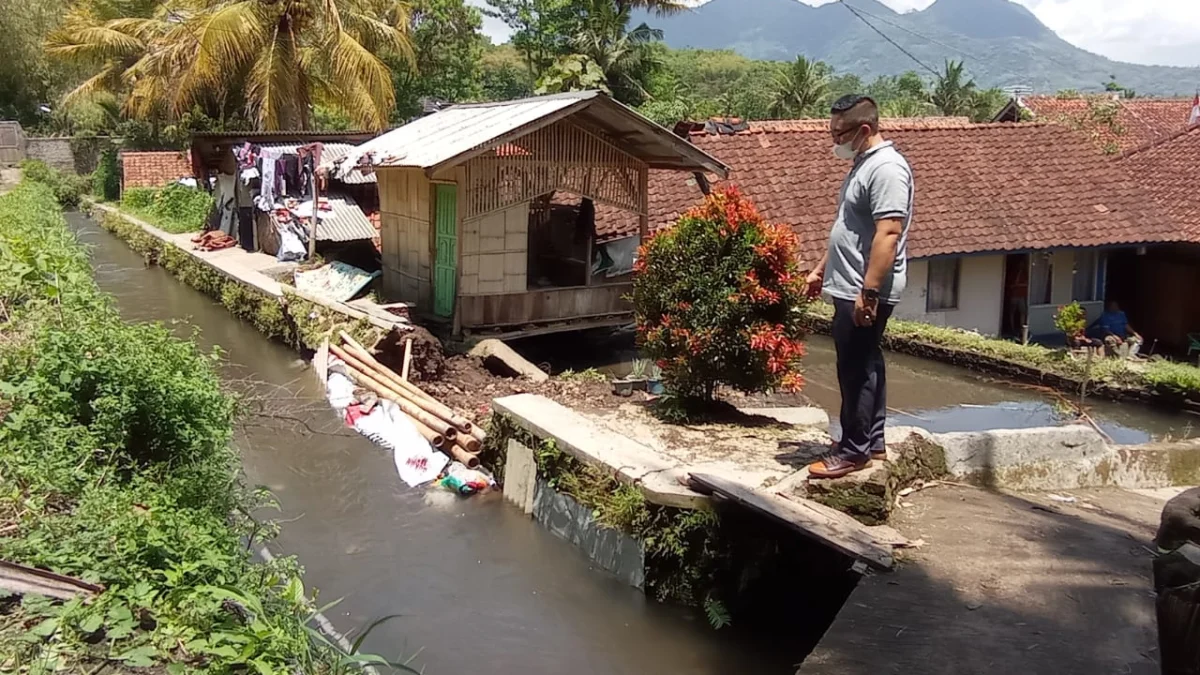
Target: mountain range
<point x="1002" y="43"/>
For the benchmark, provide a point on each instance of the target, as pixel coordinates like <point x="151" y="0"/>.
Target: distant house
<point x="1165" y="278"/>
<point x="1004" y="213"/>
<point x="1113" y="124"/>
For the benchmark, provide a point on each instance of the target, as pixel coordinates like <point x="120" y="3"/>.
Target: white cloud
<point x="1165" y="32"/>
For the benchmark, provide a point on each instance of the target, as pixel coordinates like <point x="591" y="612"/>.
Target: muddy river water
<point x="481" y="587"/>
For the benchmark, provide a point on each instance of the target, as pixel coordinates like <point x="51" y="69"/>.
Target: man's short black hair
<point x="857" y="110"/>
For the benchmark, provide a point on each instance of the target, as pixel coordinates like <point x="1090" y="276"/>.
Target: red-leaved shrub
<point x="717" y="300"/>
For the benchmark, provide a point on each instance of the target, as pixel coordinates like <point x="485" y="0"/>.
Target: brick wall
<point x="153" y="169"/>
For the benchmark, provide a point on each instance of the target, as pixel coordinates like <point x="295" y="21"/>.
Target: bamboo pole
<point x="432" y="407"/>
<point x="407" y="359"/>
<point x="440" y="426"/>
<point x="459" y="454"/>
<point x="469" y="443"/>
<point x="461" y="423"/>
<point x="435" y="439"/>
<point x="417" y="395"/>
<point x="477" y="433"/>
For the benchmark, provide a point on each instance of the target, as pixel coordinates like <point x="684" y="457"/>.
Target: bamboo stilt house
<point x="488" y="210"/>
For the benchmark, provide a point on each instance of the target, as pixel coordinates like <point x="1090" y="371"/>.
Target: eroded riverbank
<point x="478" y="583"/>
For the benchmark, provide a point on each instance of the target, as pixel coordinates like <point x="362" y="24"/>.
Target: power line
<point x="885" y="37"/>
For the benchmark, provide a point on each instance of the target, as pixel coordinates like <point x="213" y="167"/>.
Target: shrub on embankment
<point x="68" y="188"/>
<point x="175" y="208"/>
<point x="116" y="467"/>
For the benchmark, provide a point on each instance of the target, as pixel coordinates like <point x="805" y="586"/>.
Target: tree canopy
<point x="155" y="70"/>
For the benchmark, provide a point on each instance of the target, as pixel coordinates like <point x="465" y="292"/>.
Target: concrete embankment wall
<point x="1066" y="457"/>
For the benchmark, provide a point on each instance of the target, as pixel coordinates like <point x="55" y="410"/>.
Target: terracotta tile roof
<point x="980" y="188"/>
<point x="1138" y="120"/>
<point x="154" y="169"/>
<point x="1167" y="170"/>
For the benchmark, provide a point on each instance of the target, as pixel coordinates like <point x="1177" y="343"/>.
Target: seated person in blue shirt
<point x="1113" y="327"/>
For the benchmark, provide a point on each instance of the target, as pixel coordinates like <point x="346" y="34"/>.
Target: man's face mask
<point x="846" y="150"/>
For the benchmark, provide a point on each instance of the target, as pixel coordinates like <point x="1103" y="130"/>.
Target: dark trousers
<point x="861" y="378"/>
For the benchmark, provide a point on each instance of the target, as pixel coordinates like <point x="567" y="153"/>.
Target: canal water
<point x="936" y="396"/>
<point x="480" y="587"/>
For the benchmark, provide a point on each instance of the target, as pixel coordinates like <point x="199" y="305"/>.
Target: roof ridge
<point x="798" y="129"/>
<point x="1162" y="140"/>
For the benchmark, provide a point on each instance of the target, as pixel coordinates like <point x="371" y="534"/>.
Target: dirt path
<point x="1006" y="584"/>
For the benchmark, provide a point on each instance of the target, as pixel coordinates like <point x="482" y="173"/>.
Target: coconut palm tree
<point x="951" y="95"/>
<point x="274" y="59"/>
<point x="801" y="88"/>
<point x="603" y="37"/>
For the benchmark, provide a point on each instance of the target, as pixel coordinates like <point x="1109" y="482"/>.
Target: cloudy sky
<point x="1165" y="32"/>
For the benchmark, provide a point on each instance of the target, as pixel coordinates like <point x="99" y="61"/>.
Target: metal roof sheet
<point x="454" y="134"/>
<point x="345" y="221"/>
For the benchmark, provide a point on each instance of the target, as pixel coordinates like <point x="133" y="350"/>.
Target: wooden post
<point x="587" y="263"/>
<point x="312" y="230"/>
<point x="644" y="199"/>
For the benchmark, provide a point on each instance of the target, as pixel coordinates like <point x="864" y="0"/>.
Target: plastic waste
<point x="464" y="481"/>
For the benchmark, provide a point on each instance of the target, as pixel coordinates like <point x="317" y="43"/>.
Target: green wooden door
<point x="445" y="265"/>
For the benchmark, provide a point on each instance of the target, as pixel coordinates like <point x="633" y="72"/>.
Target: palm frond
<point x="229" y="38"/>
<point x="107" y="79"/>
<point x="96" y="43"/>
<point x="350" y="61"/>
<point x="271" y="86"/>
<point x="381" y="36"/>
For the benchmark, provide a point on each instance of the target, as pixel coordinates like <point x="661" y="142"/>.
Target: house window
<point x="1041" y="279"/>
<point x="1088" y="285"/>
<point x="943" y="284"/>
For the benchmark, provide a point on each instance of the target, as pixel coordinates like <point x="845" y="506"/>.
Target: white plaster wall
<point x="980" y="295"/>
<point x="1041" y="317"/>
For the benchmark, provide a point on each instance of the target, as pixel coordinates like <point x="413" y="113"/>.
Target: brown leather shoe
<point x="836" y="467"/>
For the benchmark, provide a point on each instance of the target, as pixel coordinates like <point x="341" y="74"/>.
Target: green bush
<point x="716" y="300"/>
<point x="116" y="467"/>
<point x="67" y="187"/>
<point x="106" y="180"/>
<point x="174" y="208"/>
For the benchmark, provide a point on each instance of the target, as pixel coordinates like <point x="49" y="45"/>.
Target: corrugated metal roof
<point x="344" y="222"/>
<point x="433" y="139"/>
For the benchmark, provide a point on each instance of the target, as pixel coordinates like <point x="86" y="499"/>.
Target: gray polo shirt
<point x="879" y="185"/>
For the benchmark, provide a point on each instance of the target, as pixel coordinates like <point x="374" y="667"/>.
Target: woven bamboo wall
<point x="562" y="156"/>
<point x="405" y="236"/>
<point x="495" y="252"/>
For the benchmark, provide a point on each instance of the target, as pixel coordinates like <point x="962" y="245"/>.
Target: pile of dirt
<point x="469" y="387"/>
<point x="428" y="359"/>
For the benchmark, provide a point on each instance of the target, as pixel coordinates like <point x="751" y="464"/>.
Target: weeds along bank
<point x="116" y="467"/>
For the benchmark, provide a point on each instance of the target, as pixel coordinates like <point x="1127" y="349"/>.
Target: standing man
<point x="864" y="272"/>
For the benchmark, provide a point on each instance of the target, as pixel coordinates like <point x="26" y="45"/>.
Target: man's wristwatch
<point x="871" y="295"/>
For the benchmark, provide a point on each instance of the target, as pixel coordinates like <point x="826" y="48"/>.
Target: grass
<point x="116" y="466"/>
<point x="1156" y="375"/>
<point x="174" y="208"/>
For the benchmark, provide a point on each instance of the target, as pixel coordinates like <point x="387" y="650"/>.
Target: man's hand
<point x="864" y="311"/>
<point x="814" y="282"/>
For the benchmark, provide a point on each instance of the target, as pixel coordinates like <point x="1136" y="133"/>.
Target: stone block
<point x="520" y="477"/>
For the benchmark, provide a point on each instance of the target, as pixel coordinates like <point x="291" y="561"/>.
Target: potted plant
<point x="654" y="383"/>
<point x="637" y="373"/>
